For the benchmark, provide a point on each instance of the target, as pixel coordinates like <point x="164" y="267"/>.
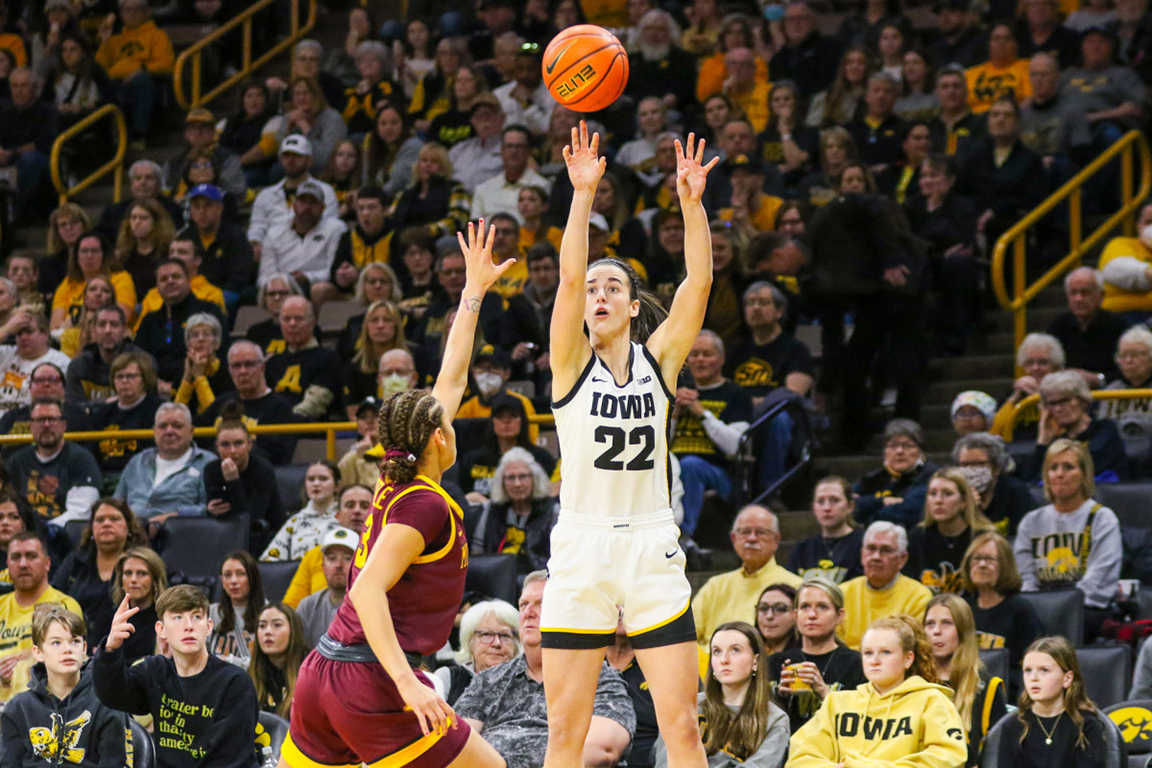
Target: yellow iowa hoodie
<point x="915" y="725"/>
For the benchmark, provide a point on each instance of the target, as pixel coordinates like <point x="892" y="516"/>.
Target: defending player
<point x="357" y="698"/>
<point x="616" y="542"/>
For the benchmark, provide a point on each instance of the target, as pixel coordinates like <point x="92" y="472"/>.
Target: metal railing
<point x="1100" y="394"/>
<point x="193" y="56"/>
<point x="115" y="166"/>
<point x="749" y="461"/>
<point x="328" y="428"/>
<point x="1072" y="191"/>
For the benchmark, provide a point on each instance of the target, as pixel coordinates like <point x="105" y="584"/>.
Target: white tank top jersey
<point x="614" y="440"/>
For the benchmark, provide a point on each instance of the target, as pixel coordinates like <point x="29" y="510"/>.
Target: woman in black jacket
<point x="507" y="429"/>
<point x="433" y="199"/>
<point x="86" y="574"/>
<point x="521" y="514"/>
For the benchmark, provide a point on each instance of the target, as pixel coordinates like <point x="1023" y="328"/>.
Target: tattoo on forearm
<point x="472" y="304"/>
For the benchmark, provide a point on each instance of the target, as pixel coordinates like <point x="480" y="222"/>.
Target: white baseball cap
<point x="340" y="537"/>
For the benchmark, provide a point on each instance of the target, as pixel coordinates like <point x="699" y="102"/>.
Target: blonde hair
<point x="1083" y="459"/>
<point x="964" y="670"/>
<point x="974" y="518"/>
<point x="368" y="353"/>
<point x="912" y="638"/>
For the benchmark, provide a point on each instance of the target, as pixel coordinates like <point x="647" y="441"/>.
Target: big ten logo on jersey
<point x="610" y="406"/>
<point x="290" y="381"/>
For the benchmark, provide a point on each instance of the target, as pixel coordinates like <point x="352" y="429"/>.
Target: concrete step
<point x="1037" y="318"/>
<point x="946" y="391"/>
<point x="797" y="525"/>
<point x="974" y="366"/>
<point x="996" y="343"/>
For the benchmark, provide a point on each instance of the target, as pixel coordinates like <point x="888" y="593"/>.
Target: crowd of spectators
<point x="865" y="174"/>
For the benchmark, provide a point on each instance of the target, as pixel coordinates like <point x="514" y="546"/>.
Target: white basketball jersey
<point x="614" y="440"/>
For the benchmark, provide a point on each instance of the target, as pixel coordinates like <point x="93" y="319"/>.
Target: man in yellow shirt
<point x="882" y="590"/>
<point x="732" y="596"/>
<point x="1127" y="268"/>
<point x="1003" y="73"/>
<point x="751" y="209"/>
<point x="745" y="90"/>
<point x="352" y="511"/>
<point x="131" y="58"/>
<point x="28" y="564"/>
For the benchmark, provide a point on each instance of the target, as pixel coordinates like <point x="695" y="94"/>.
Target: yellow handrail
<point x="329" y="428"/>
<point x="192" y="55"/>
<point x="115" y="166"/>
<point x="1071" y="191"/>
<point x="1100" y="394"/>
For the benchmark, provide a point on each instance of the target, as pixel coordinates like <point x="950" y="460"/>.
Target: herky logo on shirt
<point x="1057" y="556"/>
<point x="58" y="743"/>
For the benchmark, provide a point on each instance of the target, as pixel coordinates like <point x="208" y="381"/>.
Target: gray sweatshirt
<point x="1048" y="545"/>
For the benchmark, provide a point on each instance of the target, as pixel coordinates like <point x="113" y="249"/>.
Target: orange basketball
<point x="585" y="68"/>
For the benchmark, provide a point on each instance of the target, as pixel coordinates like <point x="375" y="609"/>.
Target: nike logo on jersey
<point x="556" y="60"/>
<point x="599" y="381"/>
<point x="670" y="555"/>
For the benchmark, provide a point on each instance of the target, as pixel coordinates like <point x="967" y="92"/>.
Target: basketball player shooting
<point x="615" y="549"/>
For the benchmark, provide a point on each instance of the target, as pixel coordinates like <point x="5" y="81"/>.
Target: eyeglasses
<point x="277" y="294"/>
<point x="901" y="445"/>
<point x="127" y="375"/>
<point x="760" y="533"/>
<point x="488" y="638"/>
<point x="985" y="559"/>
<point x="524" y="478"/>
<point x="872" y="549"/>
<point x="45" y="419"/>
<point x="774" y="609"/>
<point x="242" y="365"/>
<point x="46" y="380"/>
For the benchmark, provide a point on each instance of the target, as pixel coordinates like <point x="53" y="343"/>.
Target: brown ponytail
<point x="404" y="427"/>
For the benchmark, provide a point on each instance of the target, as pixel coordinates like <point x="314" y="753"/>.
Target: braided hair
<point x="652" y="312"/>
<point x="406" y="423"/>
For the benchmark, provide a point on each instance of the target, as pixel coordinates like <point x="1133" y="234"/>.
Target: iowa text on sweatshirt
<point x="914" y="725"/>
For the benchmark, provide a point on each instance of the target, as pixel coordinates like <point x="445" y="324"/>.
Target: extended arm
<point x="569" y="348"/>
<point x="481" y="274"/>
<point x="674" y="338"/>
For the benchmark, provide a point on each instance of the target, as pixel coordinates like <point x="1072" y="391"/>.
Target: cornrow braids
<point x="406" y="423"/>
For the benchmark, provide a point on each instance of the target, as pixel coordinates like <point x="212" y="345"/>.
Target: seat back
<point x="74" y="529"/>
<point x="276" y="578"/>
<point x="270" y="733"/>
<point x="990" y="750"/>
<point x="246" y="317"/>
<point x="310" y="450"/>
<point x="289" y="481"/>
<point x="1060" y="611"/>
<point x="1134" y="719"/>
<point x="196" y="546"/>
<point x="143" y="748"/>
<point x="1116" y="753"/>
<point x="1107" y="672"/>
<point x="996" y="662"/>
<point x="334" y="315"/>
<point x="492" y="575"/>
<point x="1132" y="502"/>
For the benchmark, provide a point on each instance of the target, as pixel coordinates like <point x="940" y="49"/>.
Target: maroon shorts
<point x="346" y="713"/>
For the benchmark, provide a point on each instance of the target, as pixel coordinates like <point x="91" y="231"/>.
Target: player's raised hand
<point x="477" y="247"/>
<point x="691" y="173"/>
<point x="585" y="166"/>
<point x="433" y="713"/>
<point x="121" y="627"/>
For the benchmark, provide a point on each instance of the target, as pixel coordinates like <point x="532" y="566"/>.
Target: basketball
<point x="585" y="68"/>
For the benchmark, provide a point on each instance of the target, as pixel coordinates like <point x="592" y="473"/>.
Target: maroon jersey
<point x="425" y="600"/>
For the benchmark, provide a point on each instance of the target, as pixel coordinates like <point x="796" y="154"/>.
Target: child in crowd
<point x="204" y="708"/>
<point x="1057" y="725"/>
<point x="60" y="719"/>
<point x="900" y="717"/>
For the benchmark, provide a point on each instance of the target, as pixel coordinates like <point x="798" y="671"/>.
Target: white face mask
<point x="979" y="478"/>
<point x="1146" y="235"/>
<point x="488" y="382"/>
<point x="393" y="384"/>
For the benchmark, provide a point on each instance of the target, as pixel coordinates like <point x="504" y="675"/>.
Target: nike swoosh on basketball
<point x="556" y="60"/>
<point x="670" y="555"/>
